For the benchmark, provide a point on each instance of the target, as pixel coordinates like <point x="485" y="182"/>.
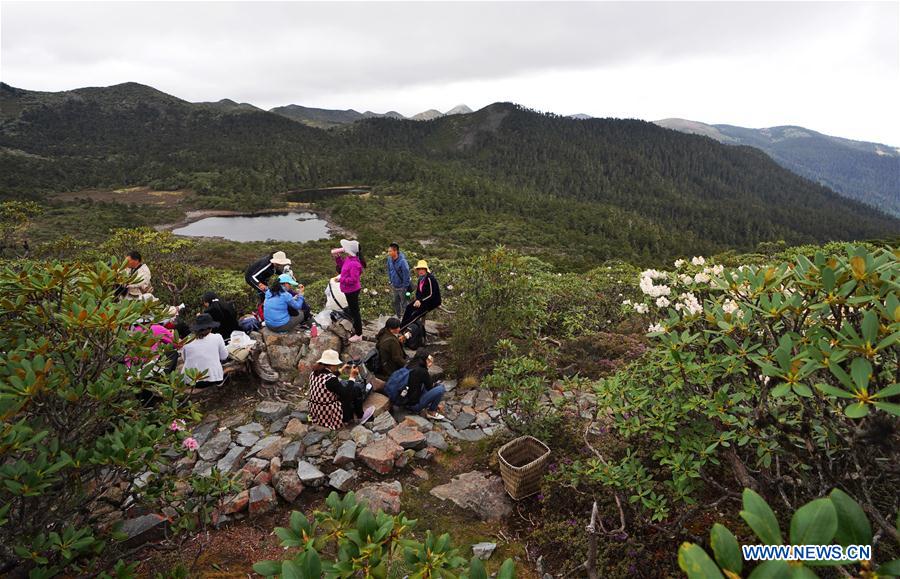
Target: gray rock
<point x="313" y="437"/>
<point x="469" y="435"/>
<point x="309" y="475"/>
<point x="230" y="461"/>
<point x="216" y="446"/>
<point x="288" y="485"/>
<point x="262" y="500"/>
<point x="449" y="385"/>
<point x="269" y="410"/>
<point x="346" y="453"/>
<point x="436" y="372"/>
<point x="361" y="435"/>
<point x="203" y="468"/>
<point x="263" y="443"/>
<point x="463" y="421"/>
<point x="140" y="530"/>
<point x="384" y="423"/>
<point x="381" y="496"/>
<point x="290" y="456"/>
<point x="202" y="433"/>
<point x="251" y="427"/>
<point x="483" y="551"/>
<point x="247" y="439"/>
<point x="277" y="426"/>
<point x="436" y="440"/>
<point x="342" y="480"/>
<point x="420" y="422"/>
<point x="479" y="492"/>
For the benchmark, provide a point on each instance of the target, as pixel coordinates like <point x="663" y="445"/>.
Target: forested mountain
<point x="867" y="172"/>
<point x="602" y="187"/>
<point x="329" y="118"/>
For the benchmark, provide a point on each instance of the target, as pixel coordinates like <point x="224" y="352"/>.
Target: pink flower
<point x="177" y="425"/>
<point x="190" y="443"/>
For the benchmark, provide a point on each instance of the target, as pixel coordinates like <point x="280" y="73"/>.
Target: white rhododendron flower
<point x="689" y="304"/>
<point x="626" y="303"/>
<point x="701" y="278"/>
<point x="685" y="279"/>
<point x="718" y="269"/>
<point x="662" y="302"/>
<point x="656" y="328"/>
<point x="641" y="308"/>
<point x="698" y="260"/>
<point x="679" y="262"/>
<point x="730" y="306"/>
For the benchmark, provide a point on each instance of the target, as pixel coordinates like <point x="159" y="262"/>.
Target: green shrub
<point x="72" y="426"/>
<point x="367" y="544"/>
<point x="782" y="375"/>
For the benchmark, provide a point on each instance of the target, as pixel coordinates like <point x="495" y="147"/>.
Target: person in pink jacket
<point x="350" y="264"/>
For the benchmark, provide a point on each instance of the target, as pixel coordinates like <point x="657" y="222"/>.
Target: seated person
<point x="222" y="312"/>
<point x="389" y="343"/>
<point x="205" y="352"/>
<point x="417" y="392"/>
<point x="428" y="295"/>
<point x="141" y="288"/>
<point x="280" y="298"/>
<point x="334" y="402"/>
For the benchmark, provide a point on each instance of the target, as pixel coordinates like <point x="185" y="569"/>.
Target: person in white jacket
<point x="206" y="352"/>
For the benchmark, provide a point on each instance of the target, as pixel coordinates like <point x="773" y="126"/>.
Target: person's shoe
<point x="354" y="339"/>
<point x="435" y="415"/>
<point x="369" y="412"/>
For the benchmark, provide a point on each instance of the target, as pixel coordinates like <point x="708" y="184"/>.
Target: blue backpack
<point x="396" y="384"/>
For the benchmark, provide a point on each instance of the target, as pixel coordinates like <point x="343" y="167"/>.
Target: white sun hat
<point x="330" y="358"/>
<point x="280" y="258"/>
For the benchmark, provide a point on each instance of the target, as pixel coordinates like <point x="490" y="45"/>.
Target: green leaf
<point x="507" y="570"/>
<point x="726" y="549"/>
<point x="312" y="566"/>
<point x="290" y="570"/>
<point x="888" y="407"/>
<point x="853" y="525"/>
<point x="803" y="390"/>
<point x="888" y="391"/>
<point x="834" y="391"/>
<point x="772" y="570"/>
<point x="267" y="568"/>
<point x="891" y="568"/>
<point x="760" y="518"/>
<point x="860" y="370"/>
<point x="814" y="523"/>
<point x="857" y="410"/>
<point x="870" y="326"/>
<point x="781" y="390"/>
<point x="694" y="561"/>
<point x="476" y="569"/>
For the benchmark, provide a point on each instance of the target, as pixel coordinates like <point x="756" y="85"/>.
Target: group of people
<point x="281" y="307"/>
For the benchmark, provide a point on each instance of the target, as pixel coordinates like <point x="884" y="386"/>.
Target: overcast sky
<point x="831" y="66"/>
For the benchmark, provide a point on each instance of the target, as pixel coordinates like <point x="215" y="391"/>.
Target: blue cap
<point x="287" y="278"/>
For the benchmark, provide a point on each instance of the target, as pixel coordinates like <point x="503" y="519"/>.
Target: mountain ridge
<point x="865" y="171"/>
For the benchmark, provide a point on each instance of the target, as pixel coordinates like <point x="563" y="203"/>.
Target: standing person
<point x="334" y="402"/>
<point x="141" y="286"/>
<point x="222" y="312"/>
<point x="398" y="276"/>
<point x="280" y="298"/>
<point x="262" y="270"/>
<point x="351" y="264"/>
<point x="205" y="352"/>
<point x="390" y="348"/>
<point x="428" y="295"/>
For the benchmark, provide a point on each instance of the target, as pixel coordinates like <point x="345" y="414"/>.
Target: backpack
<point x="372" y="361"/>
<point x="395" y="386"/>
<point x="416" y="332"/>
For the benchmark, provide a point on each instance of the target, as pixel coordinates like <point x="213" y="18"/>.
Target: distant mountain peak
<point x="428" y="115"/>
<point x="580" y="116"/>
<point x="458" y="110"/>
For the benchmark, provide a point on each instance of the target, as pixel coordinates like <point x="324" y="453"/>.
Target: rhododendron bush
<point x="779" y="377"/>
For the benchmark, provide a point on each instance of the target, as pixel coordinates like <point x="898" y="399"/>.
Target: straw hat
<point x="422" y="265"/>
<point x="330" y="358"/>
<point x="280" y="258"/>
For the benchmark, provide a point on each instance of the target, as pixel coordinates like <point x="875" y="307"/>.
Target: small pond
<point x="275" y="226"/>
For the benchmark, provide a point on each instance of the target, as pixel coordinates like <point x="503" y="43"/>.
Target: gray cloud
<point x="358" y="54"/>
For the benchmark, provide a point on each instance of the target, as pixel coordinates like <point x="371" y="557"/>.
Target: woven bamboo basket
<point x="522" y="465"/>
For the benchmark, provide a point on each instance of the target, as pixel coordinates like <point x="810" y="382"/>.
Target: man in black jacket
<point x="261" y="271"/>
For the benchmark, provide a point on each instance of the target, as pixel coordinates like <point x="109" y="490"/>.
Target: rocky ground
<point x="442" y="472"/>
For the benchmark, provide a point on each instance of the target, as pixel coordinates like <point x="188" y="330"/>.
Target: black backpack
<point x="372" y="361"/>
<point x="416" y="331"/>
